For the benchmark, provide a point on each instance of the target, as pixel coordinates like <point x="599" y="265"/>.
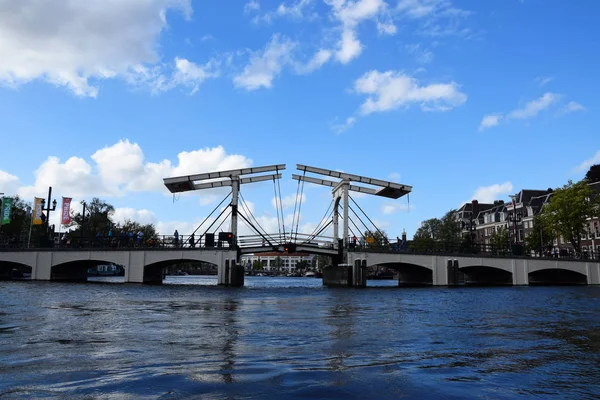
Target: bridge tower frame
<point x="341" y="191"/>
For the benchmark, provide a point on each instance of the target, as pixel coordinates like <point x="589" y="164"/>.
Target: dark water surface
<point x="291" y="338"/>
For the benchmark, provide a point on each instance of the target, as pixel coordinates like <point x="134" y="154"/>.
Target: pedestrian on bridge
<point x="176" y="235"/>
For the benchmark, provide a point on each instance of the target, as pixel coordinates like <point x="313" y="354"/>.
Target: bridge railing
<point x="105" y="242"/>
<point x="488" y="250"/>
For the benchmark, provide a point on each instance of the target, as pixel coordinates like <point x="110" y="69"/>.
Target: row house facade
<point x="517" y="216"/>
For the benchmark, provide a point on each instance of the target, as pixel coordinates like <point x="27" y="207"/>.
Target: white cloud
<point x="351" y="14"/>
<point x="419" y="8"/>
<point x="288" y="201"/>
<point x="393" y="208"/>
<point x="386" y="28"/>
<point x="192" y="75"/>
<point x="252" y="5"/>
<point x="584" y="166"/>
<point x="571" y="106"/>
<point x="543" y="80"/>
<point x="266" y="65"/>
<point x="392" y="89"/>
<point x="142" y="216"/>
<point x="9" y="184"/>
<point x="487" y="194"/>
<point x="421" y="55"/>
<point x="77" y="43"/>
<point x="122" y="168"/>
<point x="349" y="47"/>
<point x="534" y="107"/>
<point x="489" y="121"/>
<point x="530" y="110"/>
<point x="341" y="128"/>
<point x="320" y="58"/>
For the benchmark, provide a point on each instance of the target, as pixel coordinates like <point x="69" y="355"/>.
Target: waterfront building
<point x="269" y="261"/>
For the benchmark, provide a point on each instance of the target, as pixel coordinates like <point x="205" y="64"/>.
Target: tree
<point x="17" y="231"/>
<point x="97" y="218"/>
<point x="593" y="174"/>
<point x="320" y="261"/>
<point x="278" y="262"/>
<point x="423" y="239"/>
<point x="376" y="238"/>
<point x="500" y="241"/>
<point x="257" y="265"/>
<point x="568" y="211"/>
<point x="302" y="264"/>
<point x="450" y="229"/>
<point x="148" y="230"/>
<point x="430" y="228"/>
<point x="541" y="237"/>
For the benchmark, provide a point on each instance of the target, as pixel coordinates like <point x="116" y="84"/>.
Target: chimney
<point x="403" y="235"/>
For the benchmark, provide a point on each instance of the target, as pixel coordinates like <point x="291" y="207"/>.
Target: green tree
<point x="17" y="231"/>
<point x="568" y="211"/>
<point x="378" y="238"/>
<point x="148" y="230"/>
<point x="423" y="239"/>
<point x="257" y="265"/>
<point x="429" y="228"/>
<point x="97" y="218"/>
<point x="278" y="263"/>
<point x="450" y="228"/>
<point x="541" y="237"/>
<point x="500" y="241"/>
<point x="302" y="264"/>
<point x="593" y="174"/>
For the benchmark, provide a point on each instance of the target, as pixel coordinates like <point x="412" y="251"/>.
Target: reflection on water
<point x="292" y="338"/>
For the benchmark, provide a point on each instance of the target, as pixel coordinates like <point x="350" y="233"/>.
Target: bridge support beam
<point x="520" y="272"/>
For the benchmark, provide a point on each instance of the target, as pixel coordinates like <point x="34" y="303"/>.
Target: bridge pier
<point x="229" y="273"/>
<point x="346" y="275"/>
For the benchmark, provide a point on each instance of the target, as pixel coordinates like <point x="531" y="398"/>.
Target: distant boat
<point x="180" y="273"/>
<point x="309" y="274"/>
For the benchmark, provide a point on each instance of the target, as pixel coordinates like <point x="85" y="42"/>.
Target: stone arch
<point x="77" y="270"/>
<point x="486" y="275"/>
<point x="14" y="270"/>
<point x="410" y="274"/>
<point x="557" y="276"/>
<point x="154" y="272"/>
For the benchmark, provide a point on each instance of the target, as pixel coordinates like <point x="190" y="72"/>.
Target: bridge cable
<point x="312" y="235"/>
<point x="295" y="205"/>
<point x="299" y="208"/>
<point x="215" y="221"/>
<point x="277" y="205"/>
<point x="328" y="217"/>
<point x="367" y="229"/>
<point x="323" y="228"/>
<point x="247" y="210"/>
<point x="281" y="206"/>
<point x="222" y="222"/>
<point x="205" y="219"/>
<point x="378" y="230"/>
<point x="256" y="230"/>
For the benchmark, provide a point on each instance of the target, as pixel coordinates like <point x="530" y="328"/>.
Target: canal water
<point x="290" y="338"/>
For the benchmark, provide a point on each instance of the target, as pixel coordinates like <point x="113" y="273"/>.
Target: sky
<point x="460" y="99"/>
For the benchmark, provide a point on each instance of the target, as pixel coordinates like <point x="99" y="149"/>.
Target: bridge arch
<point x="14" y="270"/>
<point x="557" y="276"/>
<point x="486" y="275"/>
<point x="154" y="272"/>
<point x="410" y="274"/>
<point x="77" y="270"/>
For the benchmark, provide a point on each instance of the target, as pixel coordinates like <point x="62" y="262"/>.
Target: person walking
<point x="176" y="235"/>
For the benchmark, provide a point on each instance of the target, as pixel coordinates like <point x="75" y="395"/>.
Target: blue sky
<point x="459" y="99"/>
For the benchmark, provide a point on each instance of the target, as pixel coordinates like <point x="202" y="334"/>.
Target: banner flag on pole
<point x="66" y="211"/>
<point x="37" y="211"/>
<point x="6" y="209"/>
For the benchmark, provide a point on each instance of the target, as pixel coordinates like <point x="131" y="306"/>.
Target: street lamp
<point x="48" y="209"/>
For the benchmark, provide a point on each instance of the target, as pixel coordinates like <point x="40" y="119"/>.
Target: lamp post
<point x="82" y="220"/>
<point x="48" y="209"/>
